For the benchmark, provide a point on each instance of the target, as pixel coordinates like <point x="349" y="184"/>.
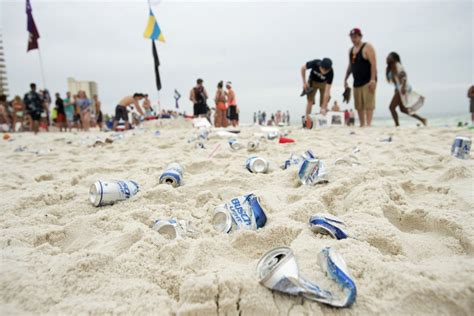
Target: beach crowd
<point x="80" y="112"/>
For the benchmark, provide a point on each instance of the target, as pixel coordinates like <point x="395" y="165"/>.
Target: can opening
<point x="94" y="194"/>
<point x="220" y="222"/>
<point x="169" y="181"/>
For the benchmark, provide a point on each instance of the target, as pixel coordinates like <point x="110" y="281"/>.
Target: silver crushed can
<point x="278" y="270"/>
<point x="312" y="171"/>
<point x="108" y="192"/>
<point x="200" y="145"/>
<point x="243" y="212"/>
<point x="234" y="144"/>
<point x="256" y="165"/>
<point x="293" y="160"/>
<point x="253" y="145"/>
<point x="461" y="147"/>
<point x="273" y="135"/>
<point x="203" y="134"/>
<point x="173" y="175"/>
<point x="173" y="228"/>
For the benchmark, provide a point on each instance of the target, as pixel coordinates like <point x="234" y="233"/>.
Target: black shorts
<point x="200" y="109"/>
<point x="35" y="115"/>
<point x="232" y="113"/>
<point x="99" y="117"/>
<point x="121" y="113"/>
<point x="77" y="118"/>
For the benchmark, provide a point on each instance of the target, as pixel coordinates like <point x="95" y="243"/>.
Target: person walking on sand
<point x="121" y="109"/>
<point x="198" y="97"/>
<point x="84" y="105"/>
<point x="98" y="111"/>
<point x="320" y="79"/>
<point x="470" y="95"/>
<point x="69" y="110"/>
<point x="18" y="112"/>
<point x="363" y="67"/>
<point x="221" y="106"/>
<point x="335" y="107"/>
<point x="60" y="114"/>
<point x="232" y="101"/>
<point x="34" y="106"/>
<point x="404" y="97"/>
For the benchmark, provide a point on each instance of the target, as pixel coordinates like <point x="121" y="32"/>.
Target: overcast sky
<point x="258" y="45"/>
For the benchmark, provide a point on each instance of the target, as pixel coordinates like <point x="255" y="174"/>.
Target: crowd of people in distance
<point x="33" y="111"/>
<point x="277" y="118"/>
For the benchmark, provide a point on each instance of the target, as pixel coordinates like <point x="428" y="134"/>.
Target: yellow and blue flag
<point x="152" y="30"/>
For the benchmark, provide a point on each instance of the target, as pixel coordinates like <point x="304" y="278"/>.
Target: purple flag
<point x="33" y="33"/>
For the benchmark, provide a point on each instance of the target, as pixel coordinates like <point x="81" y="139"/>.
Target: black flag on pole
<point x="157" y="65"/>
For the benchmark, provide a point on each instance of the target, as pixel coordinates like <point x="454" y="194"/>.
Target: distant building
<point x="90" y="87"/>
<point x="3" y="71"/>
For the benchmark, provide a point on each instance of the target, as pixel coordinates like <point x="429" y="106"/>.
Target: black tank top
<point x="360" y="68"/>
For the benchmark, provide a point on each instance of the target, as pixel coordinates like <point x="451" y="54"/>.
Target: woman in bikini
<point x="408" y="100"/>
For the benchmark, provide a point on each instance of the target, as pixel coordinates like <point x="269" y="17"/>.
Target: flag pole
<point x="41" y="68"/>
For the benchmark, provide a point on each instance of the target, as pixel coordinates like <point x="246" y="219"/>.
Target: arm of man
<point x="348" y="71"/>
<point x="191" y="96"/>
<point x="370" y="55"/>
<point x="303" y="77"/>
<point x="138" y="107"/>
<point x="205" y="93"/>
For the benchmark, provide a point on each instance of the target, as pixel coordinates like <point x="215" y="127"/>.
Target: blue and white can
<point x="173" y="175"/>
<point x="328" y="224"/>
<point x="278" y="270"/>
<point x="461" y="147"/>
<point x="243" y="212"/>
<point x="312" y="171"/>
<point x="234" y="144"/>
<point x="293" y="160"/>
<point x="108" y="192"/>
<point x="256" y="164"/>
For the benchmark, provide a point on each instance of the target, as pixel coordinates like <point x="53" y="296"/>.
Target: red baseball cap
<point x="355" y="31"/>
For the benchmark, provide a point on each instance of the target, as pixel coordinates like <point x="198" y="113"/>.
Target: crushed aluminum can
<point x="253" y="145"/>
<point x="293" y="160"/>
<point x="328" y="224"/>
<point x="243" y="212"/>
<point x="234" y="144"/>
<point x="21" y="149"/>
<point x="387" y="139"/>
<point x="174" y="228"/>
<point x="157" y="133"/>
<point x="278" y="270"/>
<point x="309" y="154"/>
<point x="273" y="135"/>
<point x="173" y="175"/>
<point x="312" y="171"/>
<point x="355" y="150"/>
<point x="203" y="134"/>
<point x="256" y="165"/>
<point x="200" y="145"/>
<point x="108" y="192"/>
<point x="296" y="160"/>
<point x="461" y="147"/>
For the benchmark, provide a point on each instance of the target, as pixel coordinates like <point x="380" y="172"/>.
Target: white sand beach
<point x="409" y="206"/>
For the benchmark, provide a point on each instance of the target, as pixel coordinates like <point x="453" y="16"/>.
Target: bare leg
<point x="361" y="117"/>
<point x="370" y="115"/>
<point x="127" y="125"/>
<point x="393" y="108"/>
<point x="419" y="118"/>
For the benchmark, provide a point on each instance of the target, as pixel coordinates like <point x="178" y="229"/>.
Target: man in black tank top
<point x="363" y="67"/>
